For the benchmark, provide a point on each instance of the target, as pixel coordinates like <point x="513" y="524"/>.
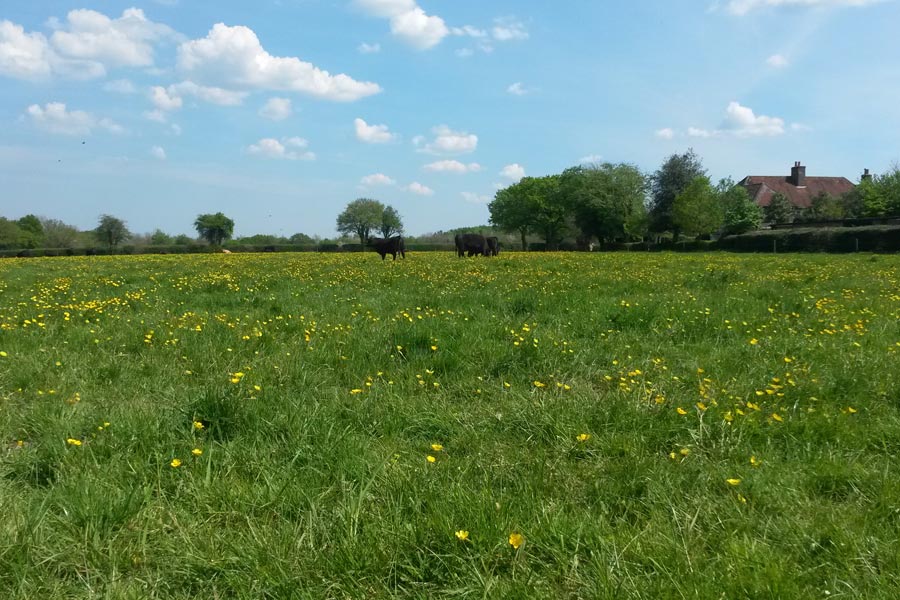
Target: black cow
<point x="471" y="244"/>
<point x="392" y="246"/>
<point x="493" y="246"/>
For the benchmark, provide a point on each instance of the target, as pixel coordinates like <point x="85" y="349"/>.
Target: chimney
<point x="798" y="175"/>
<point x="866" y="176"/>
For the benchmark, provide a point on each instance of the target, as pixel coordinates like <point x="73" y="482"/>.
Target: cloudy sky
<point x="279" y="112"/>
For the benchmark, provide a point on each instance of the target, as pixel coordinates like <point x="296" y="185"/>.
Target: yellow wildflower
<point x="430" y="458"/>
<point x="175" y="463"/>
<point x="516" y="540"/>
<point x="733" y="481"/>
<point x="196" y="451"/>
<point x="777" y="417"/>
<point x="73" y="442"/>
<point x="680" y="411"/>
<point x="437" y="447"/>
<point x="198" y="425"/>
<point x="462" y="535"/>
<point x="583" y="437"/>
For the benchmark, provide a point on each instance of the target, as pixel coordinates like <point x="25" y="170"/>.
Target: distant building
<point x="797" y="187"/>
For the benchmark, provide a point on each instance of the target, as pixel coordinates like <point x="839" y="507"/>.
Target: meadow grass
<point x="260" y="426"/>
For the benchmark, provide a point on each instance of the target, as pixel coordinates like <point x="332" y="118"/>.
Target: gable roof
<point x="762" y="188"/>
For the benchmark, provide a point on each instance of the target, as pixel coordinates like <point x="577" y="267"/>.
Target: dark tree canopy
<point x="697" y="210"/>
<point x="607" y="200"/>
<point x="779" y="210"/>
<point x="215" y="229"/>
<point x="32" y="232"/>
<point x="671" y="179"/>
<point x="111" y="231"/>
<point x="742" y="214"/>
<point x="364" y="215"/>
<point x="391" y="224"/>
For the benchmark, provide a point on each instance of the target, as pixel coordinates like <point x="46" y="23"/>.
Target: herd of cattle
<point x="467" y="244"/>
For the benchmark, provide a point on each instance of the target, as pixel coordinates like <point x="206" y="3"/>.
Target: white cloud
<point x="700" y="133"/>
<point x="54" y="117"/>
<point x="30" y="56"/>
<point x="465" y="52"/>
<point x="365" y="48"/>
<point x="164" y="99"/>
<point x="741" y="121"/>
<point x="419" y="189"/>
<point x="155" y="115"/>
<point x="211" y="94"/>
<point x="742" y="7"/>
<point x="124" y="42"/>
<point x="120" y="86"/>
<point x="469" y="31"/>
<point x="508" y="29"/>
<point x="233" y="57"/>
<point x="777" y="61"/>
<point x="665" y="133"/>
<point x="158" y="153"/>
<point x="285" y="149"/>
<point x="452" y="166"/>
<point x="590" y="159"/>
<point x="276" y="109"/>
<point x="476" y="198"/>
<point x="372" y="134"/>
<point x="800" y="128"/>
<point x="513" y="172"/>
<point x="447" y="141"/>
<point x="377" y="179"/>
<point x="408" y="21"/>
<point x="517" y="89"/>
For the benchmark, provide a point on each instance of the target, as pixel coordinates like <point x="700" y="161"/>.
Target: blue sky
<point x="280" y="112"/>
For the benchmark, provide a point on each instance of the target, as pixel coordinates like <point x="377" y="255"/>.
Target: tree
<point x="550" y="214"/>
<point x="742" y="214"/>
<point x="361" y="218"/>
<point x="301" y="238"/>
<point x="826" y="208"/>
<point x="679" y="171"/>
<point x="182" y="240"/>
<point x="215" y="229"/>
<point x="32" y="232"/>
<point x="697" y="209"/>
<point x="512" y="211"/>
<point x="111" y="232"/>
<point x="606" y="200"/>
<point x="10" y="234"/>
<point x="779" y="210"/>
<point x="391" y="224"/>
<point x="888" y="186"/>
<point x="58" y="234"/>
<point x="160" y="238"/>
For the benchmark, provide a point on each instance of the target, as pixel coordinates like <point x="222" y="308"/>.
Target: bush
<point x="838" y="239"/>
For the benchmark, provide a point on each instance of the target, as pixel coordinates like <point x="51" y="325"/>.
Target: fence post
<point x="774" y="246"/>
<point x="857" y="243"/>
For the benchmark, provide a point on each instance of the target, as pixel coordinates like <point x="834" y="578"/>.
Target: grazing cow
<point x="493" y="244"/>
<point x="471" y="244"/>
<point x="392" y="246"/>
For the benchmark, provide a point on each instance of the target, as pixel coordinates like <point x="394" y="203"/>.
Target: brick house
<point x="797" y="187"/>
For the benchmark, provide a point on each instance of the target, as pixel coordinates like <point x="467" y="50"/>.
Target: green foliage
<point x="32" y="232"/>
<point x="741" y="213"/>
<point x="215" y="229"/>
<point x="512" y="210"/>
<point x="889" y="188"/>
<point x="58" y="234"/>
<point x="182" y="240"/>
<point x="361" y="218"/>
<point x="825" y="208"/>
<point x="532" y="205"/>
<point x="779" y="210"/>
<point x="301" y="238"/>
<point x="391" y="224"/>
<point x="675" y="174"/>
<point x="10" y="234"/>
<point x="607" y="200"/>
<point x="160" y="238"/>
<point x="111" y="231"/>
<point x="698" y="209"/>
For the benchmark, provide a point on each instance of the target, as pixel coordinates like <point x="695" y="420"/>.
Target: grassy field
<point x="532" y="426"/>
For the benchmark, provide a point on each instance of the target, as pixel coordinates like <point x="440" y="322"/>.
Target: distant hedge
<point x="836" y="240"/>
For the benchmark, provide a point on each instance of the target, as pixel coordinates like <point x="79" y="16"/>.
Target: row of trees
<point x="617" y="202"/>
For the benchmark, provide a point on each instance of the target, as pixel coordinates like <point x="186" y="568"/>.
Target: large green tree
<point x="391" y="223"/>
<point x="215" y="229"/>
<point x="779" y="210"/>
<point x="742" y="214"/>
<point x="32" y="232"/>
<point x="160" y="238"/>
<point x="111" y="231"/>
<point x="606" y="200"/>
<point x="512" y="210"/>
<point x="675" y="174"/>
<point x="58" y="234"/>
<point x="697" y="209"/>
<point x="825" y="207"/>
<point x="10" y="234"/>
<point x="361" y="218"/>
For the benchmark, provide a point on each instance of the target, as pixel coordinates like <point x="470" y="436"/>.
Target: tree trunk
<point x="524" y="243"/>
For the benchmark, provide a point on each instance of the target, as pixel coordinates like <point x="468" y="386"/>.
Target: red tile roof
<point x="762" y="188"/>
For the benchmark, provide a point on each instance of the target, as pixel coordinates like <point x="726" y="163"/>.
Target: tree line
<point x="611" y="202"/>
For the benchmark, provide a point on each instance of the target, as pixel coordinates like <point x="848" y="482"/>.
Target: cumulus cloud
<point x="158" y="153"/>
<point x="165" y="100"/>
<point x="665" y="133"/>
<point x="377" y="179"/>
<point x="365" y="48"/>
<point x="452" y="166"/>
<point x="777" y="61"/>
<point x="276" y="109"/>
<point x="741" y="121"/>
<point x="700" y="133"/>
<point x="372" y="134"/>
<point x="172" y="98"/>
<point x="233" y="57"/>
<point x="408" y="21"/>
<point x="473" y="198"/>
<point x="517" y="89"/>
<point x="30" y="56"/>
<point x="284" y="149"/>
<point x="742" y="7"/>
<point x="447" y="141"/>
<point x="157" y="116"/>
<point x="54" y="117"/>
<point x="509" y="29"/>
<point x="590" y="159"/>
<point x="419" y="189"/>
<point x="513" y="172"/>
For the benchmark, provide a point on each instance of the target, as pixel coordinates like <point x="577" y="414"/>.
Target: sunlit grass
<point x="571" y="425"/>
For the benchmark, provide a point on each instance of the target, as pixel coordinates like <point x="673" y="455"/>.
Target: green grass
<point x="314" y="482"/>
